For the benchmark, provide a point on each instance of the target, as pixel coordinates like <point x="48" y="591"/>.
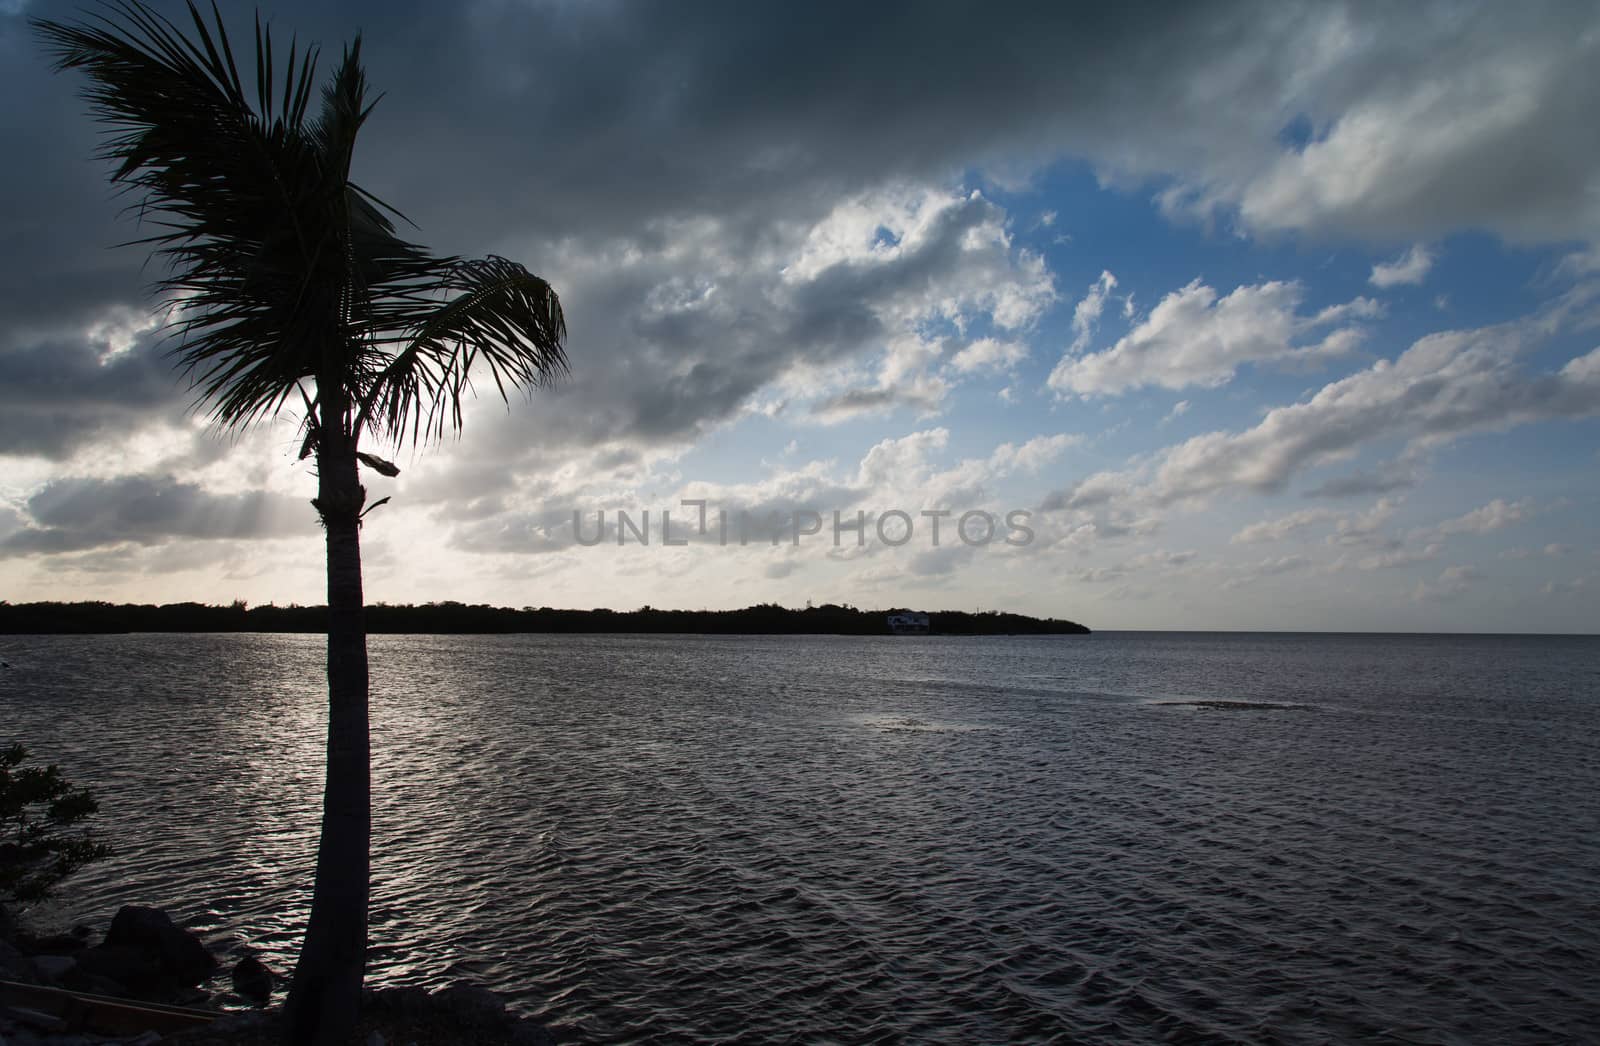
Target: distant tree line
<point x="462" y="618"/>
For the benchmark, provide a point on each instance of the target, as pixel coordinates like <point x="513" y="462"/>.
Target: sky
<point x="1213" y="316"/>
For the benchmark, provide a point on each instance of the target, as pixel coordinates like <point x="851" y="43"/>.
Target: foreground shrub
<point x="41" y="842"/>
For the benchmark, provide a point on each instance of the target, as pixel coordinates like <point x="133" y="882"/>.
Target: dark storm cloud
<point x="71" y="515"/>
<point x="594" y="119"/>
<point x="56" y="210"/>
<point x="558" y="132"/>
<point x="591" y="119"/>
<point x="543" y="120"/>
<point x="58" y="395"/>
<point x="660" y="360"/>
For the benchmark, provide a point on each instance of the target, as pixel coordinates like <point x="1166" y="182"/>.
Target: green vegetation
<point x="459" y="618"/>
<point x="41" y="838"/>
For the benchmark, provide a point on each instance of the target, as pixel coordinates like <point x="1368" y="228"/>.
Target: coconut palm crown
<point x="288" y="286"/>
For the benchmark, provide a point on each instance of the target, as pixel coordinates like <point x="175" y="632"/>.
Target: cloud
<point x="1281" y="527"/>
<point x="1418" y="123"/>
<point x="1251" y="573"/>
<point x="1391" y="558"/>
<point x="781" y="568"/>
<point x="1408" y="152"/>
<point x="1031" y="456"/>
<point x="69" y="390"/>
<point x="1445" y="386"/>
<point x="586" y="123"/>
<point x="904" y="474"/>
<point x="1086" y="314"/>
<point x="756" y="220"/>
<point x="1161" y="562"/>
<point x="1194" y="337"/>
<point x="71" y="515"/>
<point x="1385" y="480"/>
<point x="1496" y="515"/>
<point x="679" y="329"/>
<point x="1452" y="582"/>
<point x="659" y="166"/>
<point x="988" y="354"/>
<point x="1412" y="267"/>
<point x="1099" y="489"/>
<point x="1357" y="308"/>
<point x="1364" y="527"/>
<point x="924" y="397"/>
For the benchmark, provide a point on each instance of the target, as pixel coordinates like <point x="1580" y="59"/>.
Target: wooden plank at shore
<point x="102" y="1014"/>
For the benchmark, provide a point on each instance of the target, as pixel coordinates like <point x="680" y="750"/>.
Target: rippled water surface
<point x="922" y="839"/>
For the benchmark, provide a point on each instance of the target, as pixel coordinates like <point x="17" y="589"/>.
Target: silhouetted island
<point x="451" y="618"/>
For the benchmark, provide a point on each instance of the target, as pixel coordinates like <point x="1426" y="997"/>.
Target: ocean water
<point x="820" y="839"/>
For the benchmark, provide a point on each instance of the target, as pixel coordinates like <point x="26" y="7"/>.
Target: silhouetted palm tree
<point x="291" y="287"/>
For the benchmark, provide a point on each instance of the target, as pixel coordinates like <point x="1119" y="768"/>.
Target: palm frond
<point x="279" y="268"/>
<point x="501" y="316"/>
<point x="230" y="191"/>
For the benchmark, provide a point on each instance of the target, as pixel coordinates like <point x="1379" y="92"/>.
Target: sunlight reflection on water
<point x="668" y="838"/>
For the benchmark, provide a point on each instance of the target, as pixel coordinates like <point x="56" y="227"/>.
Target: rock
<point x="53" y="967"/>
<point x="252" y="1026"/>
<point x="178" y="954"/>
<point x="14" y="966"/>
<point x="38" y="1020"/>
<point x="527" y="1033"/>
<point x="472" y="1001"/>
<point x="134" y="968"/>
<point x="49" y="944"/>
<point x="93" y="984"/>
<point x="253" y="980"/>
<point x="397" y="1000"/>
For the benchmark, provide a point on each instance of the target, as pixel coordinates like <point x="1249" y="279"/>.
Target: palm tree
<point x="291" y="288"/>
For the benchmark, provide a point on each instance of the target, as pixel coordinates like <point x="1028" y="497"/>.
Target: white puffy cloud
<point x="944" y="253"/>
<point x="1033" y="455"/>
<point x="1194" y="337"/>
<point x="1445" y="386"/>
<point x="1281" y="527"/>
<point x="1424" y="125"/>
<point x="1496" y="515"/>
<point x="1358" y="308"/>
<point x="1412" y="267"/>
<point x="1086" y="314"/>
<point x="988" y="354"/>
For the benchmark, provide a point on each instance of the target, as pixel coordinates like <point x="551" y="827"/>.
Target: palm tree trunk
<point x="325" y="996"/>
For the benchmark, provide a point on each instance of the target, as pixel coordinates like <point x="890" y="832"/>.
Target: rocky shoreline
<point x="145" y="959"/>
